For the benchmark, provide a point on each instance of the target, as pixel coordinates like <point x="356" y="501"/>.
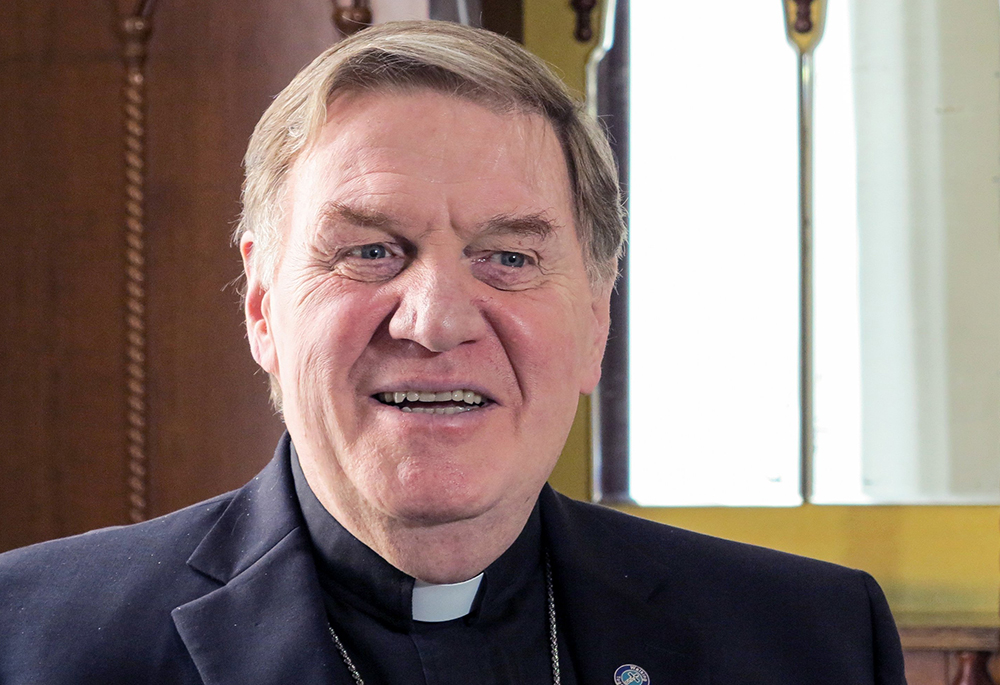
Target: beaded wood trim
<point x="135" y="34"/>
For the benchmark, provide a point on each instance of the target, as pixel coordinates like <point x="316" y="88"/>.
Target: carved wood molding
<point x="951" y="639"/>
<point x="971" y="648"/>
<point x="584" y="9"/>
<point x="804" y="21"/>
<point x="352" y="17"/>
<point x="972" y="669"/>
<point x="135" y="31"/>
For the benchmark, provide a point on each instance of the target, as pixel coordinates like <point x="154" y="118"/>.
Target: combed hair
<point x="468" y="63"/>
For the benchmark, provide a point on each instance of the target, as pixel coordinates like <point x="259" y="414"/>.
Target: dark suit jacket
<point x="226" y="591"/>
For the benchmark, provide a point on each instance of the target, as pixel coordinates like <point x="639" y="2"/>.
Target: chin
<point x="437" y="505"/>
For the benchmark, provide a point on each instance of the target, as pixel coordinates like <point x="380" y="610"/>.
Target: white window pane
<point x="713" y="256"/>
<point x="837" y="467"/>
<point x="917" y="422"/>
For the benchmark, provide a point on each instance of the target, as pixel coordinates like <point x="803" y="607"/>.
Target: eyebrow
<point x="338" y="211"/>
<point x="534" y="225"/>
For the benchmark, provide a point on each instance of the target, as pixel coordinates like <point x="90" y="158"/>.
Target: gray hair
<point x="473" y="64"/>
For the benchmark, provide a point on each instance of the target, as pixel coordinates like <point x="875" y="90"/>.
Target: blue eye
<point x="512" y="259"/>
<point x="373" y="251"/>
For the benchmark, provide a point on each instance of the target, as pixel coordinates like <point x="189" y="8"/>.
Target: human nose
<point x="437" y="309"/>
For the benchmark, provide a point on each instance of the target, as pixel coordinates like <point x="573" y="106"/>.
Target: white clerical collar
<point x="436" y="603"/>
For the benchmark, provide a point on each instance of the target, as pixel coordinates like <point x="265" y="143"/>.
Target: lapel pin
<point x="630" y="674"/>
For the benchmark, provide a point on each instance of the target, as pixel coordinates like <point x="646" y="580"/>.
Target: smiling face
<point x="430" y="320"/>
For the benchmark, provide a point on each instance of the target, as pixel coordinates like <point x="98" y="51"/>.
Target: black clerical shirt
<point x="503" y="640"/>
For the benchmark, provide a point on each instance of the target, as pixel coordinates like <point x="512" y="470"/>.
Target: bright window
<point x="907" y="271"/>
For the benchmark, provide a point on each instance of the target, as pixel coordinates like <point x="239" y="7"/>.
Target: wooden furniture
<point x="951" y="656"/>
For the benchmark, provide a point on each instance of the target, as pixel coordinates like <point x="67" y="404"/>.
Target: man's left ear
<point x="601" y="311"/>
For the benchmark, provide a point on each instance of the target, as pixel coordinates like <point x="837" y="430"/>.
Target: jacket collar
<point x="616" y="604"/>
<point x="266" y="623"/>
<point x="259" y="516"/>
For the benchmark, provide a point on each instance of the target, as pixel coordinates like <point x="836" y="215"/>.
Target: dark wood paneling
<point x="505" y="17"/>
<point x="212" y="69"/>
<point x="938" y="667"/>
<point x="60" y="272"/>
<point x="933" y="655"/>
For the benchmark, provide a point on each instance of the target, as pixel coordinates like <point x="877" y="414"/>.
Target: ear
<point x="257" y="307"/>
<point x="601" y="324"/>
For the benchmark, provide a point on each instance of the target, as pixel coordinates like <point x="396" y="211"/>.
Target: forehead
<point x="420" y="140"/>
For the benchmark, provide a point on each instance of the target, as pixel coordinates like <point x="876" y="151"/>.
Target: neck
<point x="434" y="551"/>
<point x="446" y="553"/>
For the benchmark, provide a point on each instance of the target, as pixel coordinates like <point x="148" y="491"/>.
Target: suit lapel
<point x="615" y="605"/>
<point x="266" y="623"/>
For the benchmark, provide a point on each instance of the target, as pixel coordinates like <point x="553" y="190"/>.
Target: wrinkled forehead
<point x="514" y="115"/>
<point x="450" y="139"/>
<point x="521" y="127"/>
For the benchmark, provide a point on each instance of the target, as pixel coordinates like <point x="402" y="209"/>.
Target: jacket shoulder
<point x="678" y="548"/>
<point x="756" y="609"/>
<point x="67" y="604"/>
<point x="117" y="548"/>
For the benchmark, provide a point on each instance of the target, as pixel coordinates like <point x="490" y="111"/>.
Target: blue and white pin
<point x="630" y="674"/>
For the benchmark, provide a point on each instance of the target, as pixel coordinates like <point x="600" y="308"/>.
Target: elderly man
<point x="430" y="235"/>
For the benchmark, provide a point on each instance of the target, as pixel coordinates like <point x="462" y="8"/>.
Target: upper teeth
<point x="466" y="396"/>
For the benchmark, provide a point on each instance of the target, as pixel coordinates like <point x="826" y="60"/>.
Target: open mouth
<point x="426" y="402"/>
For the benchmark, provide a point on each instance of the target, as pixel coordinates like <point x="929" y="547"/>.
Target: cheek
<point x="324" y="333"/>
<point x="546" y="344"/>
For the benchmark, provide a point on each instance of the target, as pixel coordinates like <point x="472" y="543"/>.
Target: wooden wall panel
<point x="505" y="17"/>
<point x="60" y="273"/>
<point x="938" y="667"/>
<point x="211" y="71"/>
<point x="934" y="655"/>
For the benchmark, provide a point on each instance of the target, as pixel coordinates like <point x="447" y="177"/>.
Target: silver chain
<point x="553" y="633"/>
<point x="347" y="659"/>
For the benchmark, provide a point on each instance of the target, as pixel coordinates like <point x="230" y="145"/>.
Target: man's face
<point x="429" y="253"/>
